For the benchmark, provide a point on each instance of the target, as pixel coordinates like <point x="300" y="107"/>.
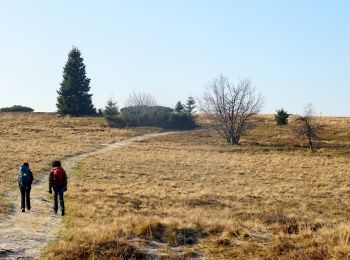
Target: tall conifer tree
<point x="190" y="105"/>
<point x="73" y="95"/>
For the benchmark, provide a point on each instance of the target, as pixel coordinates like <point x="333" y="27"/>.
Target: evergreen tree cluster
<point x="74" y="99"/>
<point x="188" y="108"/>
<point x="157" y="116"/>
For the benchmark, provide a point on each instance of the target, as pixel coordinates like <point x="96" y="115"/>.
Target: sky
<point x="294" y="52"/>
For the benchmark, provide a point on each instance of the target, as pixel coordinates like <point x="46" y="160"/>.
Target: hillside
<point x="39" y="138"/>
<point x="190" y="194"/>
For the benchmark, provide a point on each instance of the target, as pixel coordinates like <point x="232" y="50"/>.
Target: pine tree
<point x="111" y="108"/>
<point x="73" y="96"/>
<point x="190" y="105"/>
<point x="281" y="117"/>
<point x="179" y="108"/>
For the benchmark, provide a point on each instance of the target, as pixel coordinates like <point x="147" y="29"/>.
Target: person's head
<point x="56" y="164"/>
<point x="26" y="164"/>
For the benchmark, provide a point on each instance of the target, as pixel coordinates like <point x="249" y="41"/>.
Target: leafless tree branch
<point x="308" y="127"/>
<point x="140" y="99"/>
<point x="230" y="108"/>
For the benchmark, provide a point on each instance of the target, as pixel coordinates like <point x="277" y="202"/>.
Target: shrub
<point x="155" y="116"/>
<point x="16" y="108"/>
<point x="116" y="121"/>
<point x="281" y="117"/>
<point x="181" y="121"/>
<point x="147" y="115"/>
<point x="99" y="112"/>
<point x="308" y="127"/>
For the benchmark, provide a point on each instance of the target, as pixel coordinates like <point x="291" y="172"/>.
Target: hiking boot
<point x="55" y="211"/>
<point x="62" y="212"/>
<point x="23" y="210"/>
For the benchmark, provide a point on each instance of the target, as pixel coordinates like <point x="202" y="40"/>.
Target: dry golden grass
<point x="269" y="198"/>
<point x="38" y="138"/>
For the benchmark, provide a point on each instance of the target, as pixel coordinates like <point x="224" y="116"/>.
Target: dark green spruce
<point x="73" y="96"/>
<point x="179" y="108"/>
<point x="281" y="117"/>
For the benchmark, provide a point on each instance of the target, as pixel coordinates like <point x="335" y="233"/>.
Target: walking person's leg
<point x="28" y="198"/>
<point x="55" y="203"/>
<point x="23" y="191"/>
<point x="61" y="201"/>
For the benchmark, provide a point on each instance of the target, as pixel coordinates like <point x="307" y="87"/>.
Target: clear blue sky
<point x="294" y="52"/>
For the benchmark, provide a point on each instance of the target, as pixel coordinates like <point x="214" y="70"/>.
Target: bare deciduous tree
<point x="140" y="99"/>
<point x="230" y="109"/>
<point x="308" y="127"/>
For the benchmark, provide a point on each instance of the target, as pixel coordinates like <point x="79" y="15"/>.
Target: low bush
<point x="116" y="121"/>
<point x="181" y="121"/>
<point x="16" y="108"/>
<point x="146" y="115"/>
<point x="154" y="116"/>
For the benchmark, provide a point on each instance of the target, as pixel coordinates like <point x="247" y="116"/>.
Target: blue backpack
<point x="24" y="176"/>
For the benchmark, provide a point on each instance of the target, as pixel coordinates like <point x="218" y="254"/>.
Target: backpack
<point x="59" y="176"/>
<point x="24" y="176"/>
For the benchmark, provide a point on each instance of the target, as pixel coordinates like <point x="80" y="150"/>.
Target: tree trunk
<point x="234" y="140"/>
<point x="311" y="145"/>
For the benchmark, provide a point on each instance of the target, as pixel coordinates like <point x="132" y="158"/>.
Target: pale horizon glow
<point x="294" y="52"/>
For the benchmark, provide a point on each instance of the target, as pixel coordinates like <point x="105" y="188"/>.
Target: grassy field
<point x="190" y="194"/>
<point x="39" y="138"/>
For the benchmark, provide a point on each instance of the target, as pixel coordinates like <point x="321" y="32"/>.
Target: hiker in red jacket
<point x="58" y="182"/>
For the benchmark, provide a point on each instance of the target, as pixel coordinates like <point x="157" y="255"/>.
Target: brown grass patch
<point x="110" y="249"/>
<point x="243" y="202"/>
<point x="170" y="234"/>
<point x="39" y="138"/>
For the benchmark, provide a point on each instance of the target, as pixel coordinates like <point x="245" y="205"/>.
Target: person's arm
<point x="19" y="177"/>
<point x="31" y="177"/>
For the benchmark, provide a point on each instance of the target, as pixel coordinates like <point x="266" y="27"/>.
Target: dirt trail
<point x="23" y="235"/>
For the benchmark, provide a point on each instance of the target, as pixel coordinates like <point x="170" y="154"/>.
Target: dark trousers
<point x="58" y="193"/>
<point x="25" y="196"/>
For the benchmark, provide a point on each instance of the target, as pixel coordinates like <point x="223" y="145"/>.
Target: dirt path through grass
<point x="23" y="235"/>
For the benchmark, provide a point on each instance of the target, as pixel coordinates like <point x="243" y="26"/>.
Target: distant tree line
<point x="16" y="108"/>
<point x="231" y="108"/>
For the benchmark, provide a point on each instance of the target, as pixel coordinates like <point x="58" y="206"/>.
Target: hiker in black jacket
<point x="25" y="180"/>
